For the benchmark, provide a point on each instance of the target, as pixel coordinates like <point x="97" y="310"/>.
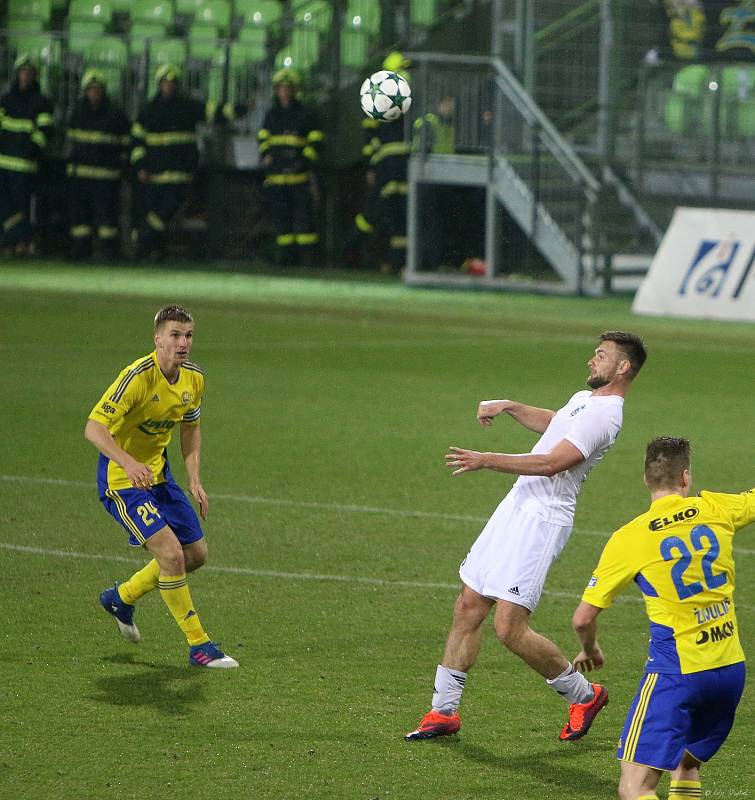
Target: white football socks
<point x="449" y="684"/>
<point x="572" y="686"/>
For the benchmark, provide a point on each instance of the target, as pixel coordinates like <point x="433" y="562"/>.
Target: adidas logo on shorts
<point x="514" y="590"/>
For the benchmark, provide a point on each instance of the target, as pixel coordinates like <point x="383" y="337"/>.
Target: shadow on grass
<point x="170" y="690"/>
<point x="554" y="766"/>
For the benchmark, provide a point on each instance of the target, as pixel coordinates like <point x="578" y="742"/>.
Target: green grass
<point x="335" y="533"/>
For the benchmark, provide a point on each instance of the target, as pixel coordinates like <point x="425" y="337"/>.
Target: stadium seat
<point x="202" y="42"/>
<point x="364" y="14"/>
<point x="121" y="7"/>
<point x="214" y="14"/>
<point x="688" y="106"/>
<point x="25" y="25"/>
<point x="108" y="54"/>
<point x="317" y="14"/>
<point x="30" y="9"/>
<point x="738" y="101"/>
<point x="140" y="32"/>
<point x="81" y="34"/>
<point x="187" y="8"/>
<point x="423" y="13"/>
<point x="260" y="13"/>
<point x="253" y="37"/>
<point x="355" y="48"/>
<point x="167" y="51"/>
<point x="305" y="48"/>
<point x="152" y="12"/>
<point x="92" y="11"/>
<point x="243" y="53"/>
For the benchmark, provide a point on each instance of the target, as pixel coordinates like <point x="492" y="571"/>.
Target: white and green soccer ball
<point x="385" y="96"/>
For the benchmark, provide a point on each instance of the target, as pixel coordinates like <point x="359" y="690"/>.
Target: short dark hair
<point x="172" y="313"/>
<point x="630" y="345"/>
<point x="666" y="458"/>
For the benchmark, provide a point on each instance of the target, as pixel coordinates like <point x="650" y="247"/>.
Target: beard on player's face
<point x="597" y="381"/>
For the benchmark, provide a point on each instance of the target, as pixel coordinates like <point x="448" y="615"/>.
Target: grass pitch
<point x="335" y="532"/>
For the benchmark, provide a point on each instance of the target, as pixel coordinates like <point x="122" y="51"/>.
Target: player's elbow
<point x="584" y="617"/>
<point x="90" y="430"/>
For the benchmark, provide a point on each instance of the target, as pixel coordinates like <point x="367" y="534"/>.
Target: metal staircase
<point x="526" y="167"/>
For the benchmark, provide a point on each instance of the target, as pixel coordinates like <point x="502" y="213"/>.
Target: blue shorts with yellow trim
<point x="674" y="713"/>
<point x="143" y="512"/>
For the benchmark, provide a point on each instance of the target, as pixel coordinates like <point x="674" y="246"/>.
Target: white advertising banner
<point x="704" y="268"/>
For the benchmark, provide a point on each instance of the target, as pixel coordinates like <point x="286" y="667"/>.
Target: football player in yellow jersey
<point x="132" y="425"/>
<point x="679" y="553"/>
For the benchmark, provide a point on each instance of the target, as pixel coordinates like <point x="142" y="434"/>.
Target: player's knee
<point x="469" y="610"/>
<point x="196" y="556"/>
<point x="509" y="630"/>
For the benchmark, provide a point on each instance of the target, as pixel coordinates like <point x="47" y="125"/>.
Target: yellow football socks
<point x="140" y="583"/>
<point x="685" y="790"/>
<point x="174" y="590"/>
<point x="647" y="797"/>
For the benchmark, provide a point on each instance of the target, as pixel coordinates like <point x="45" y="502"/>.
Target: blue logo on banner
<point x="710" y="267"/>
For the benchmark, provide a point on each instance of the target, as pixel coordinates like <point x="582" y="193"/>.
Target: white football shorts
<point x="511" y="557"/>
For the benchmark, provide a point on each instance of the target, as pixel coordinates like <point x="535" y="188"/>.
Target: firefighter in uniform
<point x="290" y="141"/>
<point x="98" y="139"/>
<point x="387" y="155"/>
<point x="25" y="126"/>
<point x="165" y="157"/>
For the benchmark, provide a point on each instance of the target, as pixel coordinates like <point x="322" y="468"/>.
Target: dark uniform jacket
<point x="292" y="137"/>
<point x="388" y="156"/>
<point x="164" y="138"/>
<point x="98" y="138"/>
<point x="25" y="126"/>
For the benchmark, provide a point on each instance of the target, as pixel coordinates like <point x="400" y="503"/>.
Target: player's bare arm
<point x="563" y="456"/>
<point x="191" y="445"/>
<point x="585" y="624"/>
<point x="530" y="417"/>
<point x="139" y="474"/>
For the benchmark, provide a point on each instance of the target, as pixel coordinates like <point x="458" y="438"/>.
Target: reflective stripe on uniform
<point x="362" y="224"/>
<point x="394" y="187"/>
<point x="306" y="238"/>
<point x="11" y="222"/>
<point x="287" y="180"/>
<point x="286" y="140"/>
<point x="138" y="153"/>
<point x="17" y="124"/>
<point x="81" y="231"/>
<point x="95" y="173"/>
<point x="14" y="164"/>
<point x="170" y="177"/>
<point x="390" y="149"/>
<point x="107" y="232"/>
<point x="398" y="242"/>
<point x="170" y="138"/>
<point x="285" y="239"/>
<point x="95" y="137"/>
<point x="155" y="222"/>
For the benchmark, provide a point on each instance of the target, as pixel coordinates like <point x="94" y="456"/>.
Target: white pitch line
<point x="298" y="576"/>
<point x="345" y="507"/>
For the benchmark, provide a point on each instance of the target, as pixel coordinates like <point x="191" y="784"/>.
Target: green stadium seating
<point x="167" y="51"/>
<point x="122" y="6"/>
<point x="214" y="14"/>
<point x="423" y="13"/>
<point x="140" y="32"/>
<point x="30" y="9"/>
<point x="264" y="13"/>
<point x="367" y="12"/>
<point x="202" y="42"/>
<point x="253" y="37"/>
<point x="25" y="25"/>
<point x="355" y="48"/>
<point x="187" y="7"/>
<point x="81" y="34"/>
<point x="738" y="101"/>
<point x="317" y="14"/>
<point x="305" y="48"/>
<point x="688" y="110"/>
<point x="99" y="11"/>
<point x="153" y="12"/>
<point x="245" y="53"/>
<point x="108" y="54"/>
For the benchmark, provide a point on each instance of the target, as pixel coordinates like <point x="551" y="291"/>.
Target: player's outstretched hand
<point x="587" y="663"/>
<point x="488" y="410"/>
<point x="460" y="460"/>
<point x="200" y="496"/>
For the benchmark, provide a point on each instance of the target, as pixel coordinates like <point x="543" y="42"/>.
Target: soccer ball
<point x="385" y="96"/>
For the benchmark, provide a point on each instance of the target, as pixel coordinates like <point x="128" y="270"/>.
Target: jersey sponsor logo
<point x="186" y="398"/>
<point x="715" y="611"/>
<point x="514" y="590"/>
<point x="592" y="582"/>
<point x="716" y="634"/>
<point x="680" y="516"/>
<point x="107" y="408"/>
<point x="154" y="427"/>
<point x="577" y="410"/>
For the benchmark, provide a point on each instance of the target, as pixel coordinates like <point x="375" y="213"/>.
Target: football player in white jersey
<point x="507" y="565"/>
